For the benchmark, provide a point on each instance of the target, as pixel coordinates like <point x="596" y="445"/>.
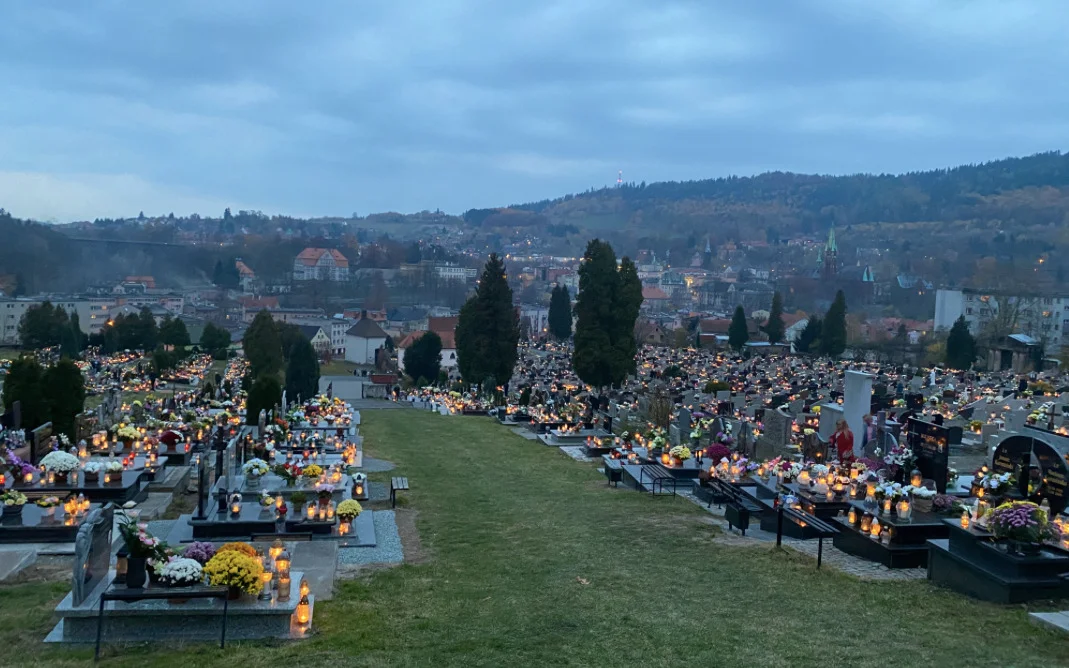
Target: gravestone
<point x="683" y="420"/>
<point x="796" y="406"/>
<point x="857" y="401"/>
<point x="262" y="423"/>
<point x="738" y="401"/>
<point x="931" y="448"/>
<point x="41" y="442"/>
<point x="723" y="395"/>
<point x="777" y="428"/>
<point x="1054" y="474"/>
<point x="829" y="415"/>
<point x="673" y="434"/>
<point x="92" y="553"/>
<point x="988" y="433"/>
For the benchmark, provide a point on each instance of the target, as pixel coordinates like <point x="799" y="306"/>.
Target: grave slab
<point x="12" y="562"/>
<point x="318" y="560"/>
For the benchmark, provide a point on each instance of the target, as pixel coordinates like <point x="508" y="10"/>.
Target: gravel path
<point x="372" y="465"/>
<point x="388" y="549"/>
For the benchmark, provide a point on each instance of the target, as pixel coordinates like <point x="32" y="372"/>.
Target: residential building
<point x="320" y="264"/>
<point x="453" y="272"/>
<point x="248" y="276"/>
<point x="362" y="340"/>
<point x="1044" y="319"/>
<point x="319" y="337"/>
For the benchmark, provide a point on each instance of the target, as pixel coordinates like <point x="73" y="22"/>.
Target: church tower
<point x="830" y="255"/>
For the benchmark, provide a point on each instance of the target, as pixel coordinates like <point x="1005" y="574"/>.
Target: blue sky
<point x="339" y="106"/>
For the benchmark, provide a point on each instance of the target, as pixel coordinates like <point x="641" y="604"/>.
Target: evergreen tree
<point x="627" y="303"/>
<point x="489" y="328"/>
<point x="23" y="382"/>
<point x="226" y="274"/>
<point x="833" y="334"/>
<point x="266" y="393"/>
<point x="606" y="308"/>
<point x="302" y="372"/>
<point x="263" y="345"/>
<point x="289" y="335"/>
<point x="775" y="328"/>
<point x="65" y="397"/>
<point x="215" y="341"/>
<point x="594" y="327"/>
<point x="44" y="326"/>
<point x="147" y="333"/>
<point x="173" y="332"/>
<point x="423" y="359"/>
<point x="560" y="313"/>
<point x="961" y="346"/>
<point x="809" y="338"/>
<point x="163" y="360"/>
<point x="738" y="331"/>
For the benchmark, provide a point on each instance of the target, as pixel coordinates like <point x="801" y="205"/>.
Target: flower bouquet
<point x="13" y="501"/>
<point x="199" y="552"/>
<point x="348" y="510"/>
<point x="312" y="471"/>
<point x="679" y="454"/>
<point x="181" y="572"/>
<point x="60" y="463"/>
<point x="238" y="546"/>
<point x="990" y="483"/>
<point x="288" y="472"/>
<point x="127" y="434"/>
<point x="92" y="470"/>
<point x="140" y="547"/>
<point x="48" y="504"/>
<point x="324" y="492"/>
<point x="923" y="498"/>
<point x="236" y="570"/>
<point x="1022" y="523"/>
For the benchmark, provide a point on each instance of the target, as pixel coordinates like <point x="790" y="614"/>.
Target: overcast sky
<point x="334" y="107"/>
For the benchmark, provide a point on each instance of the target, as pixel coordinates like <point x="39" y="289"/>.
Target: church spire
<point x="831" y="246"/>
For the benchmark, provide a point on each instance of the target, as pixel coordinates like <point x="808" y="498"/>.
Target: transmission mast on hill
<point x="620" y="178"/>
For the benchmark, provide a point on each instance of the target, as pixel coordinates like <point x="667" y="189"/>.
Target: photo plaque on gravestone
<point x="931" y="448"/>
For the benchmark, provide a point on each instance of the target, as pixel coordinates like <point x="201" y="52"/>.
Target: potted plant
<point x="349" y="510"/>
<point x="199" y="552"/>
<point x="127" y="434"/>
<point x="236" y="570"/>
<point x="13" y="501"/>
<point x="254" y="469"/>
<point x="114" y="468"/>
<point x="922" y="498"/>
<point x="140" y="547"/>
<point x="679" y="454"/>
<point x="91" y="471"/>
<point x="312" y="471"/>
<point x="181" y="572"/>
<point x="298" y="499"/>
<point x="324" y="492"/>
<point x="1022" y="524"/>
<point x="48" y="504"/>
<point x="60" y="464"/>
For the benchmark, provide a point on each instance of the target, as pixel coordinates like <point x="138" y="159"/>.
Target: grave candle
<point x="874" y="528"/>
<point x="283" y="588"/>
<point x="310" y="511"/>
<point x="887" y="505"/>
<point x="965" y="519"/>
<point x="28" y="478"/>
<point x="51" y="477"/>
<point x="107" y="477"/>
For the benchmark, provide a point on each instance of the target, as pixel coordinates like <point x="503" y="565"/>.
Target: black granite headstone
<point x="931" y="448"/>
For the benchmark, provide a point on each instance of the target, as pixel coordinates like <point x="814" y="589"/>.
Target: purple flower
<point x="199" y="552"/>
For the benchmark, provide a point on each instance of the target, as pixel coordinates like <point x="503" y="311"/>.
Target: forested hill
<point x="1027" y="191"/>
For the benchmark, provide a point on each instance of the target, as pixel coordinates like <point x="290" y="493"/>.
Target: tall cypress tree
<point x="489" y="328"/>
<point x="607" y="307"/>
<point x="775" y="328"/>
<point x="738" y="332"/>
<point x="809" y="338"/>
<point x="560" y="313"/>
<point x="833" y="333"/>
<point x="961" y="346"/>
<point x="23" y="383"/>
<point x="627" y="302"/>
<point x="302" y="371"/>
<point x="592" y="358"/>
<point x="262" y="345"/>
<point x="65" y="397"/>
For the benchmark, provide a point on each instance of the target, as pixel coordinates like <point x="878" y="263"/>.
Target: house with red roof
<point x="320" y="264"/>
<point x="654" y="299"/>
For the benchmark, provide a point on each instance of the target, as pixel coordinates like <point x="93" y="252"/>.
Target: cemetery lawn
<point x="530" y="560"/>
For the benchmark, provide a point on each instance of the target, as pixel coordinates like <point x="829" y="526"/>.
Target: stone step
<point x="171" y="479"/>
<point x="1058" y="621"/>
<point x="12" y="562"/>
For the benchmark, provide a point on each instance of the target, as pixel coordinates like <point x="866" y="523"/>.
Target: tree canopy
<point x="423" y="359"/>
<point x="226" y="274"/>
<point x="488" y="329"/>
<point x="560" y="313"/>
<point x="64" y="396"/>
<point x="263" y="345"/>
<point x="738" y="330"/>
<point x="606" y="307"/>
<point x="960" y="345"/>
<point x="833" y="334"/>
<point x="808" y="340"/>
<point x="215" y="340"/>
<point x="265" y="394"/>
<point x="173" y="332"/>
<point x="302" y="370"/>
<point x="23" y="383"/>
<point x="775" y="328"/>
<point x="45" y="325"/>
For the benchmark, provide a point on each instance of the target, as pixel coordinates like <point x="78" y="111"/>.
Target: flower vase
<point x="91" y="476"/>
<point x="61" y="478"/>
<point x="677" y="463"/>
<point x="922" y="505"/>
<point x="252" y="482"/>
<point x="136" y="572"/>
<point x="233" y="593"/>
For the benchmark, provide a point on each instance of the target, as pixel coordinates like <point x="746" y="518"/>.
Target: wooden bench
<point x="397" y="485"/>
<point x="149" y="593"/>
<point x="658" y="475"/>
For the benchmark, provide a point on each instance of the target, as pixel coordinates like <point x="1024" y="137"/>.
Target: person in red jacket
<point x="843" y="441"/>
